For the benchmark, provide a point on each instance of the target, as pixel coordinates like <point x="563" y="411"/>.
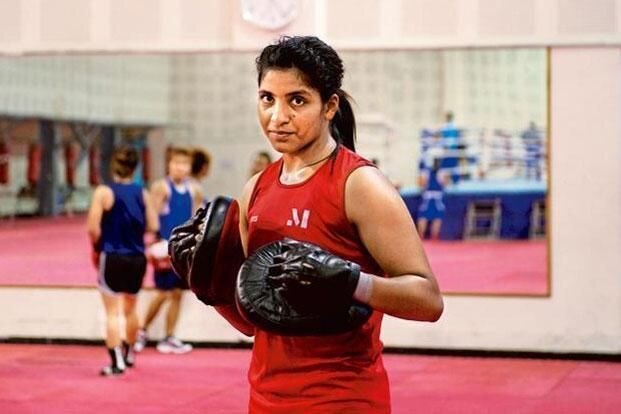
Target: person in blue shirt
<point x="119" y="215"/>
<point x="176" y="200"/>
<point x="533" y="144"/>
<point x="432" y="182"/>
<point x="451" y="142"/>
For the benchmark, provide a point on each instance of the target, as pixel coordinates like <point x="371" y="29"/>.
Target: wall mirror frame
<point x="76" y="103"/>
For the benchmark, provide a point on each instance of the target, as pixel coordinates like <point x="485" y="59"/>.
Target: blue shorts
<point x="431" y="210"/>
<point x="168" y="280"/>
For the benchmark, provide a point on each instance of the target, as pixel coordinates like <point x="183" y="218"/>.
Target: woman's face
<point x="291" y="112"/>
<point x="179" y="167"/>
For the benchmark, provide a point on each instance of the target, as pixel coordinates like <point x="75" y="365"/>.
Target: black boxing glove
<point x="312" y="279"/>
<point x="182" y="243"/>
<point x="206" y="251"/>
<point x="296" y="288"/>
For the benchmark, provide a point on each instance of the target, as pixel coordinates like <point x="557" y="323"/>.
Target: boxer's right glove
<point x="206" y="251"/>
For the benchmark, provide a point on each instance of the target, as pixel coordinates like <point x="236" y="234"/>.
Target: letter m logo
<point x="295" y="218"/>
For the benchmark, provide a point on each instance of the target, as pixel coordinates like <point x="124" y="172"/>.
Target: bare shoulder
<point x="367" y="190"/>
<point x="102" y="192"/>
<point x="244" y="198"/>
<point x="194" y="186"/>
<point x="244" y="202"/>
<point x="103" y="196"/>
<point x="160" y="187"/>
<point x="158" y="184"/>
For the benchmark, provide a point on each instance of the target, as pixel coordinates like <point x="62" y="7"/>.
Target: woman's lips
<point x="279" y="134"/>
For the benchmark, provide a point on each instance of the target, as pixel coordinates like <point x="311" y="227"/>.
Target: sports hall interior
<point x="528" y="253"/>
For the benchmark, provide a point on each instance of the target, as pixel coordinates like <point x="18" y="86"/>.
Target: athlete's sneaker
<point x="173" y="345"/>
<point x="141" y="340"/>
<point x="111" y="370"/>
<point x="128" y="355"/>
<point x="117" y="364"/>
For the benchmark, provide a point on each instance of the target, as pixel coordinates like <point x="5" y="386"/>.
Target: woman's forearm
<point x="408" y="297"/>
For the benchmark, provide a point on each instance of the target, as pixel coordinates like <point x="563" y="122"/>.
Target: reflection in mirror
<point x="461" y="133"/>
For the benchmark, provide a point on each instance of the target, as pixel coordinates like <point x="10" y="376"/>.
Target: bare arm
<point x="102" y="200"/>
<point x="153" y="222"/>
<point x="445" y="178"/>
<point x="422" y="180"/>
<point x="159" y="195"/>
<point x="230" y="312"/>
<point x="386" y="228"/>
<point x="244" y="201"/>
<point x="197" y="195"/>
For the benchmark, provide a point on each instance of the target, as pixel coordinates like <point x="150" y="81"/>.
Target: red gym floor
<point x="64" y="379"/>
<point x="56" y="252"/>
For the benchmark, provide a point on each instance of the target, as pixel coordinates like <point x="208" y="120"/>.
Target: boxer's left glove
<point x="305" y="273"/>
<point x="182" y="243"/>
<point x="297" y="288"/>
<point x="206" y="251"/>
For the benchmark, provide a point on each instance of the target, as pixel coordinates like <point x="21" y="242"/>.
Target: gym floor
<point x="64" y="379"/>
<point x="63" y="259"/>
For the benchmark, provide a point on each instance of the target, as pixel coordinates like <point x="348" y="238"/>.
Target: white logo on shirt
<point x="295" y="218"/>
<point x="254" y="219"/>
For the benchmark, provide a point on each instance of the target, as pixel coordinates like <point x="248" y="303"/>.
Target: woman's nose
<point x="280" y="113"/>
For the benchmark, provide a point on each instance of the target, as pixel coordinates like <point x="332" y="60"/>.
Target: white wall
<point x="100" y="89"/>
<point x="34" y="26"/>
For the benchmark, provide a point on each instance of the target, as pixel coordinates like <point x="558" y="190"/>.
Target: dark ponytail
<point x="343" y="125"/>
<point x="322" y="69"/>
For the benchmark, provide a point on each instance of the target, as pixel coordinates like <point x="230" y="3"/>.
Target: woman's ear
<point x="332" y="106"/>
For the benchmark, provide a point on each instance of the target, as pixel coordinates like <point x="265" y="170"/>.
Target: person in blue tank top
<point x="175" y="199"/>
<point x="432" y="181"/>
<point x="451" y="141"/>
<point x="120" y="213"/>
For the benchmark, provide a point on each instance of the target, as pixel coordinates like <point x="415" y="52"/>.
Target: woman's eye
<point x="266" y="98"/>
<point x="297" y="100"/>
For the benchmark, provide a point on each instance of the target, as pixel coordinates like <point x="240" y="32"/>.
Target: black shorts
<point x="121" y="273"/>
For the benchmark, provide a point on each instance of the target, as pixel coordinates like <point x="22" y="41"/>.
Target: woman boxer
<point x="331" y="247"/>
<point x="322" y="192"/>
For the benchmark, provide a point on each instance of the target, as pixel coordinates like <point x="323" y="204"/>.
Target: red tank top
<point x="307" y="374"/>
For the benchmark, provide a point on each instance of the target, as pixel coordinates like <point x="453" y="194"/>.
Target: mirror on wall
<point x="462" y="134"/>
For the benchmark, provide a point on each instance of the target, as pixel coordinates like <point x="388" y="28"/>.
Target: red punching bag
<point x="146" y="165"/>
<point x="34" y="164"/>
<point x="71" y="158"/>
<point x="4" y="163"/>
<point x="93" y="166"/>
